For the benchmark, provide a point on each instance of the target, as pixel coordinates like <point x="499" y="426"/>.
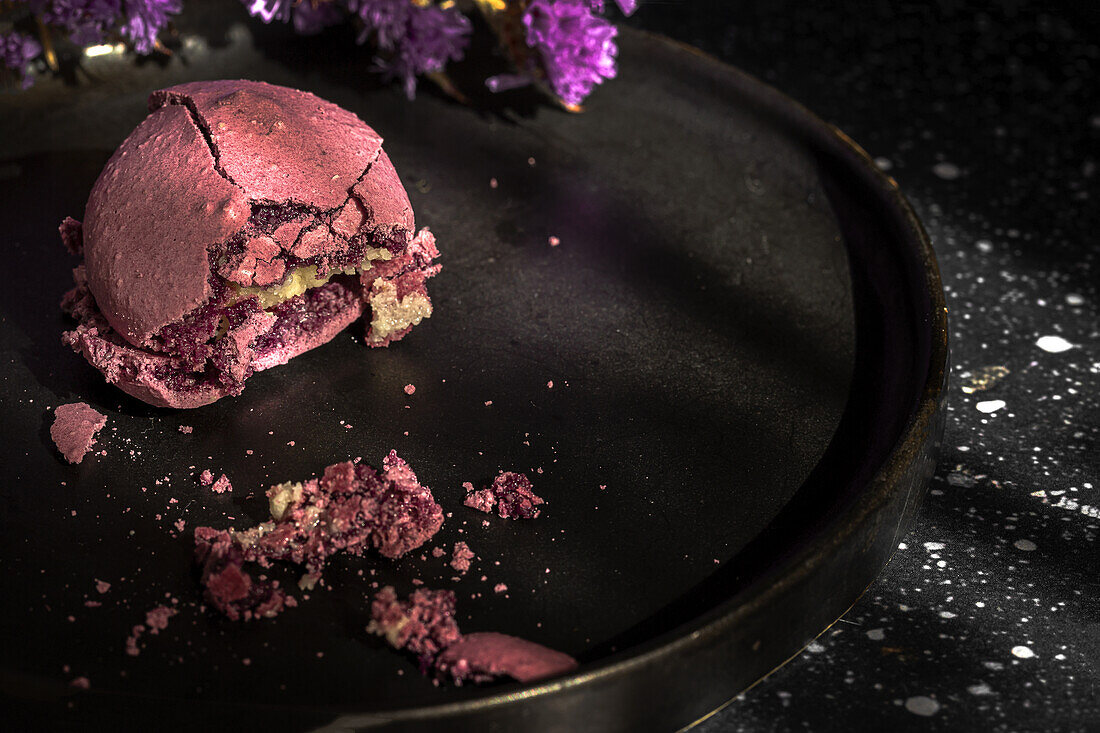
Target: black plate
<point x="746" y="336"/>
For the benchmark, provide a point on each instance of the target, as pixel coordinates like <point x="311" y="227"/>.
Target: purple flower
<point x="16" y="51"/>
<point x="577" y="48"/>
<point x="419" y="39"/>
<point x="312" y="17"/>
<point x="627" y="6"/>
<point x="145" y="18"/>
<point x="269" y="10"/>
<point x="87" y="21"/>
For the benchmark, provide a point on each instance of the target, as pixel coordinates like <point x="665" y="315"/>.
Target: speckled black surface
<point x="988" y="617"/>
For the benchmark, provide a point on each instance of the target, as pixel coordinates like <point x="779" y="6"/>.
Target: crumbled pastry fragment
<point x="510" y="494"/>
<point x="351" y="508"/>
<point x="424" y="625"/>
<point x="74" y="428"/>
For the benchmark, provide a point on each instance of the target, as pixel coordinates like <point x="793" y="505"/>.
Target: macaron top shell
<point x="153" y="213"/>
<point x="278" y="144"/>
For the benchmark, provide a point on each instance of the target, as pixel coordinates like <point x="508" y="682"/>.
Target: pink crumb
<point x="80" y="683"/>
<point x="222" y="485"/>
<point x="157" y="619"/>
<point x="554" y="241"/>
<point x="102" y="586"/>
<point x="550" y="384"/>
<point x="410" y="388"/>
<point x="461" y="557"/>
<point x="493" y="183"/>
<point x="438" y="552"/>
<point x="500" y="588"/>
<point x="488" y="402"/>
<point x="186" y="429"/>
<point x="206" y="478"/>
<point x="74" y="428"/>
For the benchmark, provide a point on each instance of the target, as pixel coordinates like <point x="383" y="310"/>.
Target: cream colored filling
<point x="392" y="634"/>
<point x="390" y="314"/>
<point x="283" y="496"/>
<point x="301" y="279"/>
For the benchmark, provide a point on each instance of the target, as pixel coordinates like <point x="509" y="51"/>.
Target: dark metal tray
<point x="745" y="331"/>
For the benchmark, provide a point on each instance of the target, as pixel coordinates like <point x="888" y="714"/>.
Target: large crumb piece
<point x="460" y="559"/>
<point x="74" y="428"/>
<point x="351" y="508"/>
<point x="424" y="625"/>
<point x="228" y="586"/>
<point x="510" y="493"/>
<point x="485" y="656"/>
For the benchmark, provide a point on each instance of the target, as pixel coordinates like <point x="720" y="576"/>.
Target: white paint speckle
<point x="990" y="406"/>
<point x="876" y="634"/>
<point x="946" y="171"/>
<point x="921" y="705"/>
<point x="814" y="647"/>
<point x="1025" y="545"/>
<point x="883" y="164"/>
<point x="1023" y="652"/>
<point x="980" y="689"/>
<point x="984" y="246"/>
<point x="947" y="614"/>
<point x="934" y="546"/>
<point x="1074" y="299"/>
<point x="1053" y="344"/>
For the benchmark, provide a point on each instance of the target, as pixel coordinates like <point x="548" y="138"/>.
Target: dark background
<point x="988" y="115"/>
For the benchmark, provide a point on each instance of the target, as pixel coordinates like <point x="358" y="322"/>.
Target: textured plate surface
<point x="744" y="332"/>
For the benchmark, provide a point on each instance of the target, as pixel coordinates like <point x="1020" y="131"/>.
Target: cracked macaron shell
<point x="184" y="181"/>
<point x="152" y="214"/>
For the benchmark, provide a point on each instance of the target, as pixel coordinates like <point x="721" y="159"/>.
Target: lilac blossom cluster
<point x="16" y="51"/>
<point x="570" y="45"/>
<point x="576" y="47"/>
<point x="87" y="22"/>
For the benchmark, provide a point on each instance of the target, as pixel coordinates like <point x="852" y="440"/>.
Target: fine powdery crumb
<point x="510" y="493"/>
<point x="157" y="619"/>
<point x="132" y="640"/>
<point x="186" y="429"/>
<point x="80" y="683"/>
<point x="424" y="625"/>
<point x="554" y="241"/>
<point x="74" y="428"/>
<point x="438" y="552"/>
<point x="206" y="478"/>
<point x="222" y="485"/>
<point x="410" y="388"/>
<point x="461" y="557"/>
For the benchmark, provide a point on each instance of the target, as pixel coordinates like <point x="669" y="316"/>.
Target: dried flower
<point x="313" y="16"/>
<point x="577" y="48"/>
<point x="418" y="39"/>
<point x="16" y="51"/>
<point x="145" y="18"/>
<point x="627" y="6"/>
<point x="87" y="21"/>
